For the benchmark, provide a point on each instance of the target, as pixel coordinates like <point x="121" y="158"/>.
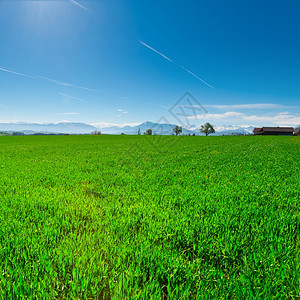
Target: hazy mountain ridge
<point x="64" y="127"/>
<point x="82" y="128"/>
<point x="167" y="129"/>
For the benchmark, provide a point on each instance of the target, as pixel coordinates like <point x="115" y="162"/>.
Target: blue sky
<point x="119" y="62"/>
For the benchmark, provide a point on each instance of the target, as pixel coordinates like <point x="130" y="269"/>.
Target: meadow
<point x="135" y="217"/>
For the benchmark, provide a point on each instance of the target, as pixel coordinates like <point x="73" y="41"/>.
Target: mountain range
<point x="31" y="128"/>
<point x="82" y="128"/>
<point x="167" y="129"/>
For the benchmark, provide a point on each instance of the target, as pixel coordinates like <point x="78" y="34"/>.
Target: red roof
<point x="278" y="129"/>
<point x="256" y="130"/>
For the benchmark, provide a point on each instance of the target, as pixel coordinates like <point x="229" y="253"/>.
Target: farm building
<point x="257" y="130"/>
<point x="274" y="131"/>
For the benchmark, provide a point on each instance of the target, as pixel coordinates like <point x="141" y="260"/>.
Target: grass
<point x="134" y="217"/>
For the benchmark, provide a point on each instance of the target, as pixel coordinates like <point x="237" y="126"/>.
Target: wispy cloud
<point x="180" y="66"/>
<point x="79" y="5"/>
<point x="217" y="116"/>
<point x="249" y="106"/>
<point x="1" y="105"/>
<point x="283" y="118"/>
<point x="71" y="97"/>
<point x="68" y="113"/>
<point x="62" y="83"/>
<point x="107" y="124"/>
<point x="122" y="111"/>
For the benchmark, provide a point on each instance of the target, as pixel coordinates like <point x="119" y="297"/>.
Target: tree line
<point x="206" y="128"/>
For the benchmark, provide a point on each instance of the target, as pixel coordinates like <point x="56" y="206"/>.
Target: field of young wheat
<point x="134" y="217"/>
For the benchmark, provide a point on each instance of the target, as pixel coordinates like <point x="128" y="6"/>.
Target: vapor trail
<point x="71" y="97"/>
<point x="47" y="79"/>
<point x="144" y="44"/>
<point x="190" y="72"/>
<point x="169" y="59"/>
<point x="16" y="73"/>
<point x="79" y="5"/>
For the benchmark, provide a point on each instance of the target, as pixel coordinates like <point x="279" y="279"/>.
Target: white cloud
<point x="217" y="116"/>
<point x="284" y="113"/>
<point x="283" y="118"/>
<point x="107" y="124"/>
<point x="280" y="119"/>
<point x="248" y="106"/>
<point x="122" y="111"/>
<point x="233" y="127"/>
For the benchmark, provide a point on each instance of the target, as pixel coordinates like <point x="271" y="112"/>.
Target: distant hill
<point x="82" y="128"/>
<point x="167" y="129"/>
<point x="31" y="128"/>
<point x="160" y="129"/>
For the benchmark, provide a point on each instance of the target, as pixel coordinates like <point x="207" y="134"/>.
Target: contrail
<point x="55" y="81"/>
<point x="79" y="5"/>
<point x="184" y="68"/>
<point x="144" y="44"/>
<point x="169" y="59"/>
<point x="88" y="89"/>
<point x="47" y="79"/>
<point x="16" y="73"/>
<point x="67" y="84"/>
<point x="71" y="97"/>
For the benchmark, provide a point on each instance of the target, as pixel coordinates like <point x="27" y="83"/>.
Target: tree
<point x="96" y="132"/>
<point x="148" y="132"/>
<point x="177" y="129"/>
<point x="139" y="131"/>
<point x="207" y="128"/>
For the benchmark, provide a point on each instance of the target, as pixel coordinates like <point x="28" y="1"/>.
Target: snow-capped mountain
<point x="130" y="128"/>
<point x="167" y="129"/>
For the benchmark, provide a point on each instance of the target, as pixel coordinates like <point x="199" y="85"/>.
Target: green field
<point x="134" y="217"/>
